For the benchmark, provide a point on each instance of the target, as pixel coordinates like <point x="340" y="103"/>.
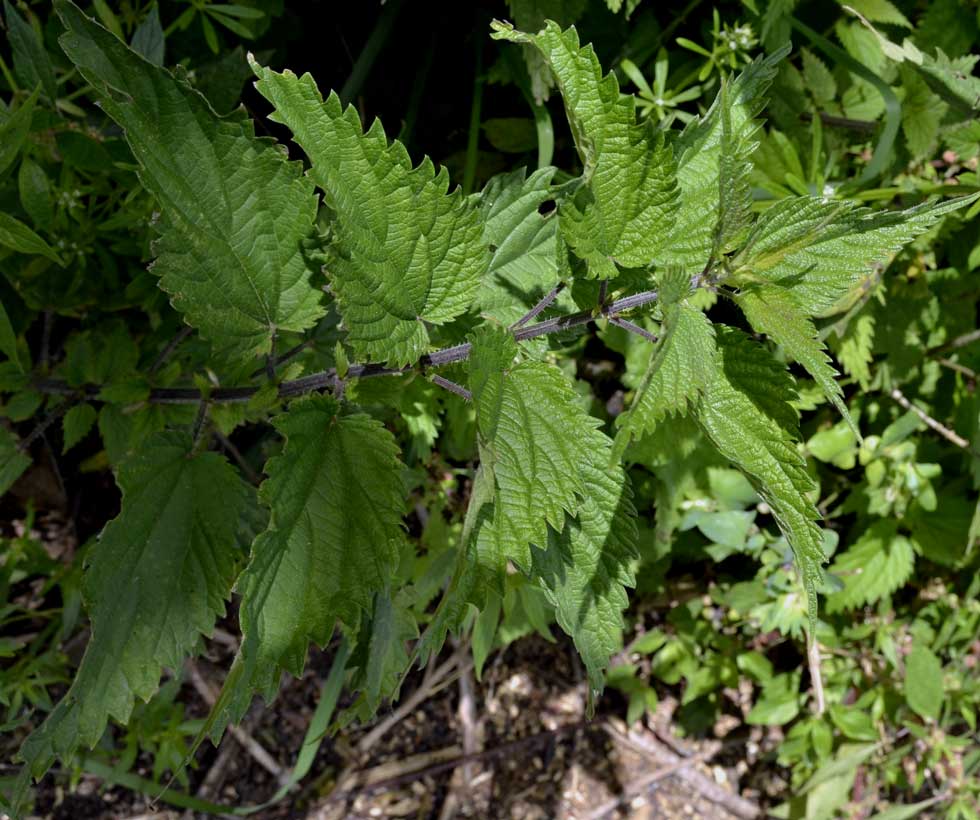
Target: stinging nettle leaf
<point x="771" y="310"/>
<point x="406" y="252"/>
<point x="523" y="263"/>
<point x="333" y="541"/>
<point x="585" y="569"/>
<point x="534" y="439"/>
<point x="699" y="150"/>
<point x="237" y="213"/>
<point x="820" y="248"/>
<point x="680" y="368"/>
<point x="745" y="411"/>
<point x="157" y="580"/>
<point x="628" y="194"/>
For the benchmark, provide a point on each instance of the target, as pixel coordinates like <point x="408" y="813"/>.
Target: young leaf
<point x="157" y="580"/>
<point x="745" y="411"/>
<point x="819" y="249"/>
<point x="628" y="196"/>
<point x="585" y="568"/>
<point x="76" y="424"/>
<point x="534" y="440"/>
<point x="237" y="212"/>
<point x="699" y="151"/>
<point x="333" y="541"/>
<point x="406" y="253"/>
<point x="771" y="310"/>
<point x="679" y="370"/>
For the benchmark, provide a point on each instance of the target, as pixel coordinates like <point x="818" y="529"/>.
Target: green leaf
<point x="238" y="214"/>
<point x="14" y="131"/>
<point x="32" y="65"/>
<point x="585" y="568"/>
<point x="772" y="310"/>
<point x="405" y="253"/>
<point x="332" y="543"/>
<point x="523" y="263"/>
<point x="818" y="78"/>
<point x="13" y="461"/>
<point x="535" y="440"/>
<point x="924" y="689"/>
<point x="745" y="410"/>
<point x="380" y="655"/>
<point x="876" y="565"/>
<point x="855" y="348"/>
<point x="532" y="15"/>
<point x="820" y="248"/>
<point x="679" y="370"/>
<point x="626" y="202"/>
<point x="779" y="704"/>
<point x="156" y="581"/>
<point x="699" y="150"/>
<point x="35" y="193"/>
<point x="879" y="11"/>
<point x="149" y="39"/>
<point x="922" y="113"/>
<point x="77" y="423"/>
<point x="15" y="235"/>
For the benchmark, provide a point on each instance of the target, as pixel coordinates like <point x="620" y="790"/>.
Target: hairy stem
<point x="327" y="378"/>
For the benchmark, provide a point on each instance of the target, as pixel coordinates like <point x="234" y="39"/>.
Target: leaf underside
<point x="158" y="579"/>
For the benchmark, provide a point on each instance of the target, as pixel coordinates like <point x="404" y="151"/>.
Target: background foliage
<point x="874" y="106"/>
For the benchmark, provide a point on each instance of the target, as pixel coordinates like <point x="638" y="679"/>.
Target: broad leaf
<point x="523" y="263"/>
<point x="771" y="310"/>
<point x="628" y="196"/>
<point x="585" y="568"/>
<point x="699" y="151"/>
<point x="820" y="249"/>
<point x="534" y="440"/>
<point x="237" y="214"/>
<point x="681" y="367"/>
<point x="157" y="580"/>
<point x="745" y="411"/>
<point x="406" y="253"/>
<point x="333" y="541"/>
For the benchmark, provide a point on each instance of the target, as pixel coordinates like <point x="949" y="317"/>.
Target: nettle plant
<point x="399" y="279"/>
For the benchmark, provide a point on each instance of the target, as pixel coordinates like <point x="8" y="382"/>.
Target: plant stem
<point x="327" y="378"/>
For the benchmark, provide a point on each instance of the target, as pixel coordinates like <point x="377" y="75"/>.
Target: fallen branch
<point x="929" y="421"/>
<point x="704" y="786"/>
